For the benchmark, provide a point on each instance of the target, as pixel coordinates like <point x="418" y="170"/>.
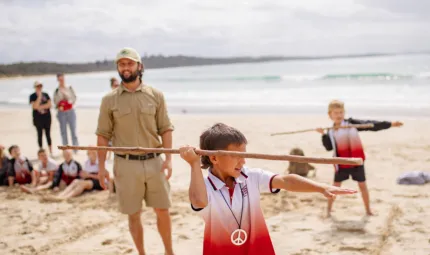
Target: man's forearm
<point x="167" y="141"/>
<point x="102" y="141"/>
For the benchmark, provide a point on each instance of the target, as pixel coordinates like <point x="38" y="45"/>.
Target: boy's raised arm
<point x="197" y="190"/>
<point x="293" y="182"/>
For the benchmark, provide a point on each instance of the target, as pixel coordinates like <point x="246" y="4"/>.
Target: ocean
<point x="387" y="85"/>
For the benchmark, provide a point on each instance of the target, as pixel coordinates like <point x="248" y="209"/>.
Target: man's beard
<point x="133" y="76"/>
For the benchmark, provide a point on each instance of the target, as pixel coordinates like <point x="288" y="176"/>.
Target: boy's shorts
<point x="357" y="174"/>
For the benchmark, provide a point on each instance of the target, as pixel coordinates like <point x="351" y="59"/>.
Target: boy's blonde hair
<point x="335" y="104"/>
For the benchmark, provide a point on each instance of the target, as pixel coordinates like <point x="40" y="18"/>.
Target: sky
<point x="88" y="30"/>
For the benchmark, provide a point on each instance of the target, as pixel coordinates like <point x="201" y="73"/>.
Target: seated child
<point x="4" y="167"/>
<point x="301" y="169"/>
<point x="89" y="180"/>
<point x="68" y="171"/>
<point x="21" y="169"/>
<point x="228" y="198"/>
<point x="45" y="173"/>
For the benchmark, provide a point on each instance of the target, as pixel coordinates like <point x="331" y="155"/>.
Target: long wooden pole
<point x="292" y="158"/>
<point x="326" y="128"/>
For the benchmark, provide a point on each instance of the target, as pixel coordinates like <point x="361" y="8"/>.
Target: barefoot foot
<point x="26" y="189"/>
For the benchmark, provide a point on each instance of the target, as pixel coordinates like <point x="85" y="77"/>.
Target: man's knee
<point x="135" y="217"/>
<point x="161" y="212"/>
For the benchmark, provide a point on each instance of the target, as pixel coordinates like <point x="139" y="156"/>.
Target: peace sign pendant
<point x="238" y="237"/>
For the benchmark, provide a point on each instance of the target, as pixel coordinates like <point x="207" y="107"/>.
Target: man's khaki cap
<point x="129" y="53"/>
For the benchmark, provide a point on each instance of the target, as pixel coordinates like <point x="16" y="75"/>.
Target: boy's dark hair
<point x="60" y="74"/>
<point x="219" y="137"/>
<point x="41" y="151"/>
<point x="11" y="148"/>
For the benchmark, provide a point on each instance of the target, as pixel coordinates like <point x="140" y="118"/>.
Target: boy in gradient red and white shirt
<point x="228" y="199"/>
<point x="346" y="143"/>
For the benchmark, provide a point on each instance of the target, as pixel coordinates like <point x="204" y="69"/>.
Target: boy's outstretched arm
<point x="197" y="190"/>
<point x="293" y="182"/>
<point x="377" y="125"/>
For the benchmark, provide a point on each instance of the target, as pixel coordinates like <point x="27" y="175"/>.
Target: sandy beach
<point x="91" y="223"/>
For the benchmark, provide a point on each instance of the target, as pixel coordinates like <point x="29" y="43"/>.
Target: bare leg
<point x="77" y="187"/>
<point x="43" y="180"/>
<point x="136" y="231"/>
<point x="330" y="201"/>
<point x="38" y="188"/>
<point x="165" y="229"/>
<point x="365" y="195"/>
<point x="34" y="178"/>
<point x="68" y="189"/>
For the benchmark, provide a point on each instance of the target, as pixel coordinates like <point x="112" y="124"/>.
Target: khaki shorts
<point x="137" y="180"/>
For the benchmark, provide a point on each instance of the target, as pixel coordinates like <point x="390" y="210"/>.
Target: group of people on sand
<point x="66" y="180"/>
<point x="227" y="196"/>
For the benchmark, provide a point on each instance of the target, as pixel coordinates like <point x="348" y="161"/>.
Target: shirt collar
<point x="142" y="87"/>
<point x="217" y="184"/>
<point x="122" y="88"/>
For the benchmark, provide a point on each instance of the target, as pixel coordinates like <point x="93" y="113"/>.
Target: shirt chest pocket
<point x="148" y="110"/>
<point x="122" y="113"/>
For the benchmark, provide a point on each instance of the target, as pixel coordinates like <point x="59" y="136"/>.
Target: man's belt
<point x="139" y="157"/>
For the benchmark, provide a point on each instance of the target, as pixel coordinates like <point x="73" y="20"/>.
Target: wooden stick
<point x="326" y="128"/>
<point x="292" y="158"/>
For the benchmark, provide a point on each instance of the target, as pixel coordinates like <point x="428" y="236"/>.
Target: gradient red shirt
<point x="219" y="220"/>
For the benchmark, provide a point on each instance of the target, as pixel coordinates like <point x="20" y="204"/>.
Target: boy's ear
<point x="213" y="159"/>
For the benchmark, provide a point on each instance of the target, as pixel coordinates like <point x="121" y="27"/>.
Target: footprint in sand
<point x="107" y="242"/>
<point x="4" y="245"/>
<point x="183" y="237"/>
<point x="274" y="228"/>
<point x="27" y="249"/>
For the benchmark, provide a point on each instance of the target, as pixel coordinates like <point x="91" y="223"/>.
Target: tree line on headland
<point x="153" y="61"/>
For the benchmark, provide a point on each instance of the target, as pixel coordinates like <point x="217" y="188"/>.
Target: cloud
<point x="80" y="30"/>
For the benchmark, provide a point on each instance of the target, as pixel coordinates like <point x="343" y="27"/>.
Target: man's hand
<point x="56" y="189"/>
<point x="167" y="165"/>
<point x="331" y="191"/>
<point x="102" y="175"/>
<point x="396" y="124"/>
<point x="320" y="130"/>
<point x="188" y="154"/>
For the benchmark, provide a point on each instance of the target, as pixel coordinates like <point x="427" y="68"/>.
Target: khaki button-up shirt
<point x="134" y="118"/>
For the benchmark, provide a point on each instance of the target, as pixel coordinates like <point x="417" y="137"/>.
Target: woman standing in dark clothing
<point x="41" y="104"/>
